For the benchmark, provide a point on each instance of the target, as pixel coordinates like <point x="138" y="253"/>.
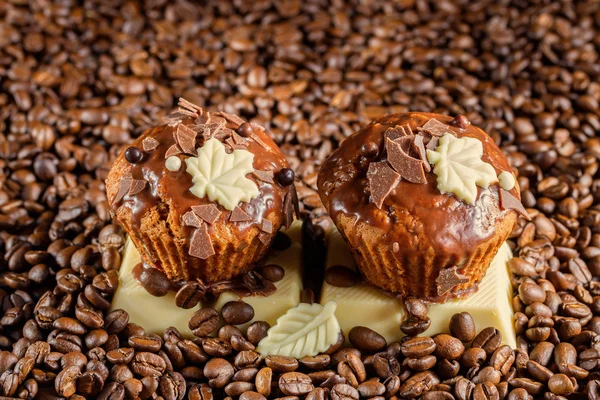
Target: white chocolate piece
<point x="222" y="176"/>
<point x="459" y="167"/>
<point x="288" y="289"/>
<point x="304" y="330"/>
<point x="155" y="314"/>
<point x="364" y="305"/>
<point x="506" y="180"/>
<point x="173" y="163"/>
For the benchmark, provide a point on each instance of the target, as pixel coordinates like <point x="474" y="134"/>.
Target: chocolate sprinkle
<point x="266" y="226"/>
<point x="124" y="186"/>
<point x="382" y="180"/>
<point x="186" y="139"/>
<point x="239" y="215"/>
<point x="265" y="176"/>
<point x="510" y="202"/>
<point x="208" y="212"/>
<point x="149" y="144"/>
<point x="137" y="185"/>
<point x="435" y="127"/>
<point x="191" y="219"/>
<point x="448" y="279"/>
<point x="408" y="167"/>
<point x="421" y="151"/>
<point x="200" y="245"/>
<point x="173" y="151"/>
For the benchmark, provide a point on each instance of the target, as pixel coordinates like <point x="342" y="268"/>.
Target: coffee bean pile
<point x="80" y="80"/>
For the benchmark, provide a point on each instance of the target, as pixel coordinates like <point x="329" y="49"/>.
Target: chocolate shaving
<point x="173" y="151"/>
<point x="264" y="238"/>
<point x="175" y="118"/>
<point x="433" y="142"/>
<point x="510" y="202"/>
<point x="398" y="132"/>
<point x="149" y="144"/>
<point x="234" y="119"/>
<point x="382" y="180"/>
<point x="209" y="130"/>
<point x="191" y="219"/>
<point x="265" y="176"/>
<point x="189" y="108"/>
<point x="137" y="185"/>
<point x="200" y="245"/>
<point x="419" y="147"/>
<point x="239" y="140"/>
<point x="186" y="139"/>
<point x="448" y="279"/>
<point x="258" y="140"/>
<point x="234" y="146"/>
<point x="208" y="212"/>
<point x="288" y="210"/>
<point x="408" y="167"/>
<point x="124" y="186"/>
<point x="239" y="215"/>
<point x="435" y="127"/>
<point x="266" y="226"/>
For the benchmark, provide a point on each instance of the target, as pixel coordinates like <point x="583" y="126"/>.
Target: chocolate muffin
<point x="424" y="201"/>
<point x="203" y="196"/>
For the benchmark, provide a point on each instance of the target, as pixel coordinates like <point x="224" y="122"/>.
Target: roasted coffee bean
<point x="219" y="372"/>
<point x="120" y="356"/>
<point x="154" y="281"/>
<point x="385" y="365"/>
<point x="418" y="347"/>
<point x="272" y="272"/>
<point x="116" y="321"/>
<point x="413" y="327"/>
<point x="151" y="343"/>
<point x="226" y="332"/>
<point x="281" y="363"/>
<point x="237" y="312"/>
<point x="488" y="339"/>
<point x="263" y="381"/>
<point x="204" y="322"/>
<point x="502" y="359"/>
<point x="66" y="380"/>
<point x="318" y="362"/>
<point x="295" y="384"/>
<point x="341" y="276"/>
<point x="216" y="347"/>
<point x="448" y="347"/>
<point x="462" y="326"/>
<point x="172" y="386"/>
<point x="148" y="364"/>
<point x="366" y="339"/>
<point x="422" y="363"/>
<point x="189" y="295"/>
<point x="418" y="384"/>
<point x="342" y="391"/>
<point x="257" y="331"/>
<point x="247" y="358"/>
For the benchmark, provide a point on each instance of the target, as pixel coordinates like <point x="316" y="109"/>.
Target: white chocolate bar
<point x="364" y="305"/>
<point x="155" y="314"/>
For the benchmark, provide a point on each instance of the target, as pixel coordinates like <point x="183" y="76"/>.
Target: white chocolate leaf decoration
<point x="222" y="176"/>
<point x="305" y="330"/>
<point x="459" y="167"/>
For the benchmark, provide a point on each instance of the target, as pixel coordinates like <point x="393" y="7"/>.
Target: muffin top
<point x="424" y="170"/>
<point x="210" y="168"/>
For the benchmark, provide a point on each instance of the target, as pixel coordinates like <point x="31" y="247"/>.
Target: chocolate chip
<point x="435" y="127"/>
<point x="341" y="276"/>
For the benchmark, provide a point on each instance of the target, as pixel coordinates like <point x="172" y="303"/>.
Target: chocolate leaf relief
<point x="305" y="330"/>
<point x="222" y="176"/>
<point x="459" y="168"/>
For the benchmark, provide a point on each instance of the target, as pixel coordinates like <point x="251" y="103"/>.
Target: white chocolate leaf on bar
<point x="222" y="176"/>
<point x="305" y="330"/>
<point x="459" y="167"/>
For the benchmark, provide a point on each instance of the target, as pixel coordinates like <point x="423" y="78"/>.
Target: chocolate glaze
<point x="454" y="227"/>
<point x="173" y="188"/>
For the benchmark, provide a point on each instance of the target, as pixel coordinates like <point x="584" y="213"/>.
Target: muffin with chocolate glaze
<point x="424" y="201"/>
<point x="203" y="196"/>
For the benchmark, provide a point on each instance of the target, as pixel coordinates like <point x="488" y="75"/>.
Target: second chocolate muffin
<point x="424" y="202"/>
